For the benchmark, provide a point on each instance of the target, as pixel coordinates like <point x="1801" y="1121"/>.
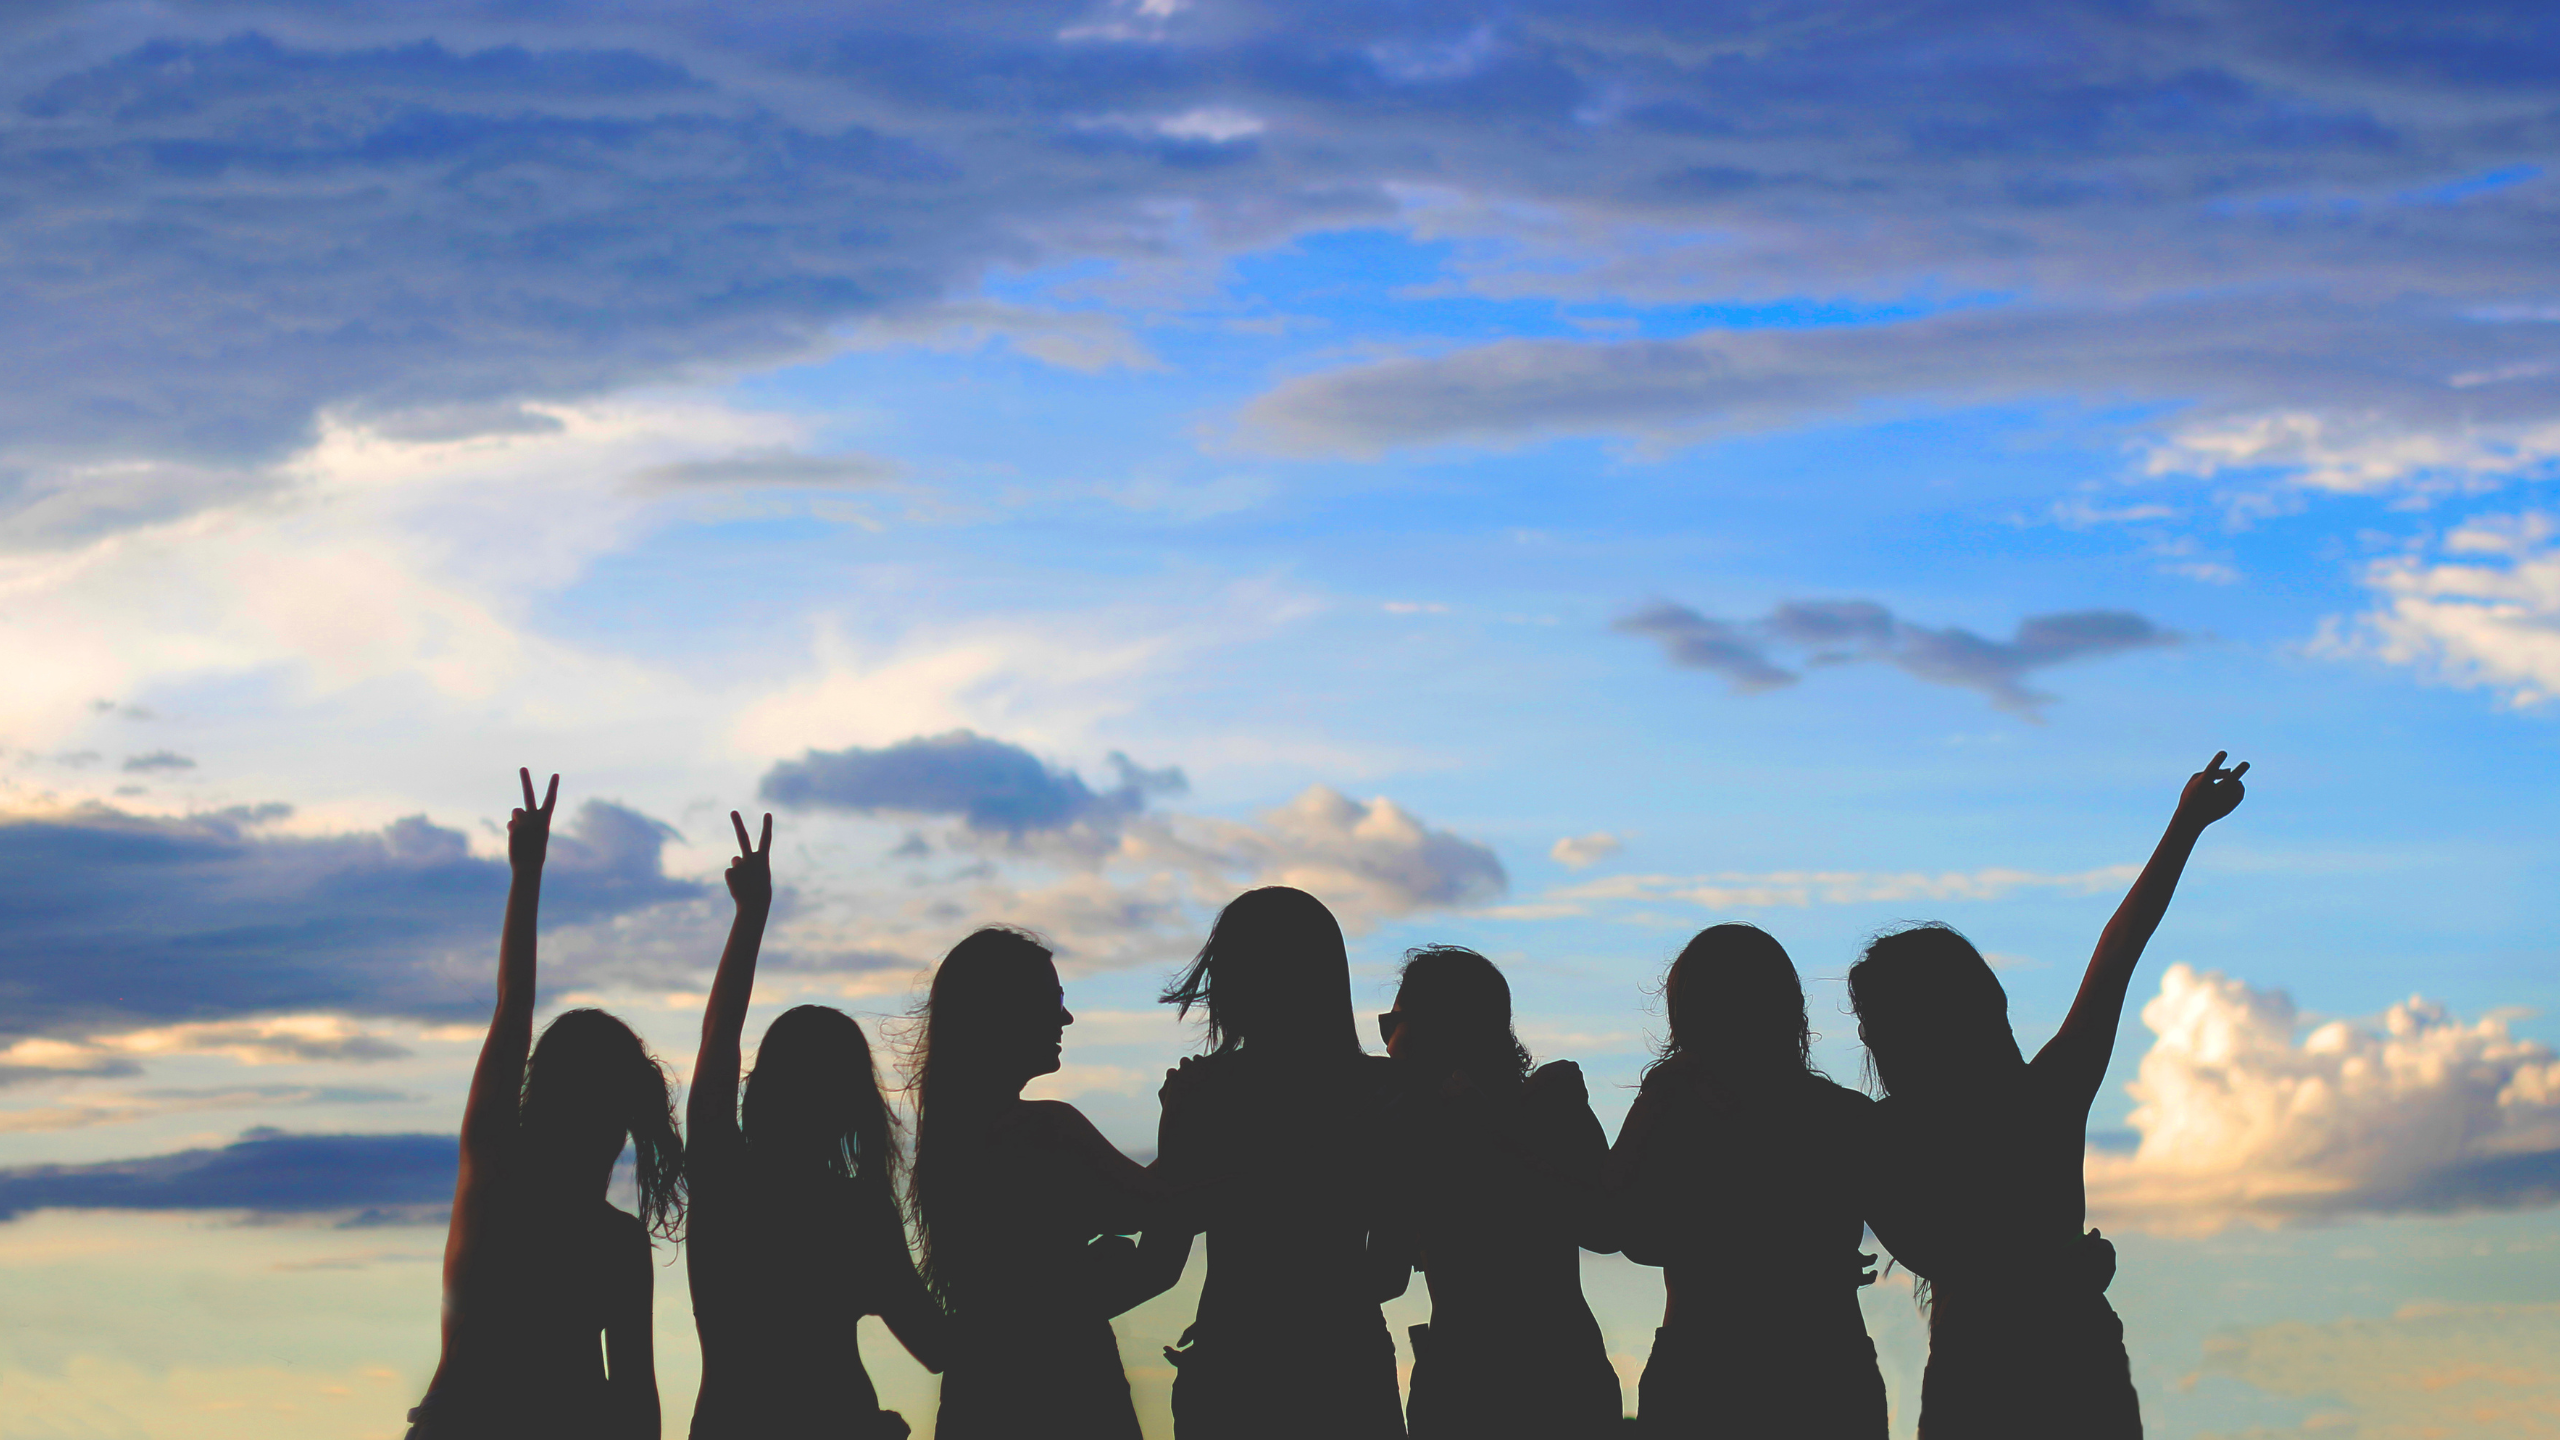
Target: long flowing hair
<point x="588" y="1086"/>
<point x="1274" y="970"/>
<point x="1930" y="1011"/>
<point x="1459" y="1000"/>
<point x="958" y="1072"/>
<point x="1734" y="1002"/>
<point x="813" y="1102"/>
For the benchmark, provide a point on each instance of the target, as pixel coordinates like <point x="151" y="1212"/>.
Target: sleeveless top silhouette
<point x="1033" y="1354"/>
<point x="1749" y="1198"/>
<point x="1289" y="1341"/>
<point x="783" y="1268"/>
<point x="1495" y="1189"/>
<point x="525" y="1356"/>
<point x="1980" y="1192"/>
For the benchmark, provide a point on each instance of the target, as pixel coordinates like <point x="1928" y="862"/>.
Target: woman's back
<point x="530" y="1305"/>
<point x="1497" y="1196"/>
<point x="784" y="1263"/>
<point x="1753" y="1193"/>
<point x="1293" y="1142"/>
<point x="1983" y="1186"/>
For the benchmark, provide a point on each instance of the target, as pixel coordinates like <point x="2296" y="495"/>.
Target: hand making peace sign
<point x="529" y="829"/>
<point x="751" y="874"/>
<point x="2212" y="792"/>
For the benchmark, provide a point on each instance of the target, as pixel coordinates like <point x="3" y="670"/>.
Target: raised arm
<point x="711" y="1101"/>
<point x="2076" y="1058"/>
<point x="497" y="1083"/>
<point x="489" y="1116"/>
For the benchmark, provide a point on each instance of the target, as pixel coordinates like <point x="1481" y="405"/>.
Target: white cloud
<point x="2242" y="1120"/>
<point x="2358" y="454"/>
<point x="2484" y="614"/>
<point x="1580" y="852"/>
<point x="1367" y="861"/>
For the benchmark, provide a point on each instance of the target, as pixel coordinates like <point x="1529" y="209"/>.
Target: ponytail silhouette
<point x="537" y="1265"/>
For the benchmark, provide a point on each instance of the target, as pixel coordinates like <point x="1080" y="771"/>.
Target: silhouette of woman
<point x="537" y="1263"/>
<point x="1494" y="1171"/>
<point x="794" y="1233"/>
<point x="1283" y="1139"/>
<point x="1981" y="1153"/>
<point x="1737" y="1171"/>
<point x="1010" y="1195"/>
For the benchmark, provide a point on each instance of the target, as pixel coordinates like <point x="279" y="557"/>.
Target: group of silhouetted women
<point x="1321" y="1177"/>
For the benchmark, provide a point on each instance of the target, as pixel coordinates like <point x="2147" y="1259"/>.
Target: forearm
<point x="712" y="1096"/>
<point x="2100" y="1002"/>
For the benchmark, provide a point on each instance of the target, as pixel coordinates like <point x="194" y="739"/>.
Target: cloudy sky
<point x="1543" y="476"/>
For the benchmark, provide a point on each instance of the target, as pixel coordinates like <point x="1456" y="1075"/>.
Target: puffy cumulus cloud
<point x="1368" y="861"/>
<point x="120" y="921"/>
<point x="2241" y="1117"/>
<point x="994" y="787"/>
<point x="2425" y="1372"/>
<point x="235" y="216"/>
<point x="1580" y="852"/>
<point x="266" y="1172"/>
<point x="2485" y="612"/>
<point x="1835" y="632"/>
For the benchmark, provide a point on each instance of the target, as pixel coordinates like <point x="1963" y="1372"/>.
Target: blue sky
<point x="1543" y="477"/>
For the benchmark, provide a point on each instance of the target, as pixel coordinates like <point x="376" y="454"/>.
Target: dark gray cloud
<point x="118" y="920"/>
<point x="266" y="1172"/>
<point x="157" y="761"/>
<point x="1839" y="632"/>
<point x="227" y="217"/>
<point x="993" y="786"/>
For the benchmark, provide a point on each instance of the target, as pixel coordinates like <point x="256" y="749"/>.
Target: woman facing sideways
<point x="794" y="1233"/>
<point x="1979" y="1172"/>
<point x="1021" y="1206"/>
<point x="1496" y="1170"/>
<point x="1284" y="1132"/>
<point x="1738" y="1172"/>
<point x="537" y="1263"/>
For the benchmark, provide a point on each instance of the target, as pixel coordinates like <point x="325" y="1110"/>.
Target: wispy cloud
<point x="1836" y="632"/>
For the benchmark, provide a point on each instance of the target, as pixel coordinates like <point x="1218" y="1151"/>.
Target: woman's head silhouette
<point x="1273" y="974"/>
<point x="813" y="1101"/>
<point x="1735" y="1004"/>
<point x="1454" y="1015"/>
<point x="1930" y="1011"/>
<point x="589" y="1086"/>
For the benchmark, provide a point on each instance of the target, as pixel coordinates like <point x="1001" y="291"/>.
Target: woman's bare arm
<point x="711" y="1101"/>
<point x="905" y="1305"/>
<point x="631" y="1361"/>
<point x="2076" y="1058"/>
<point x="497" y="1082"/>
